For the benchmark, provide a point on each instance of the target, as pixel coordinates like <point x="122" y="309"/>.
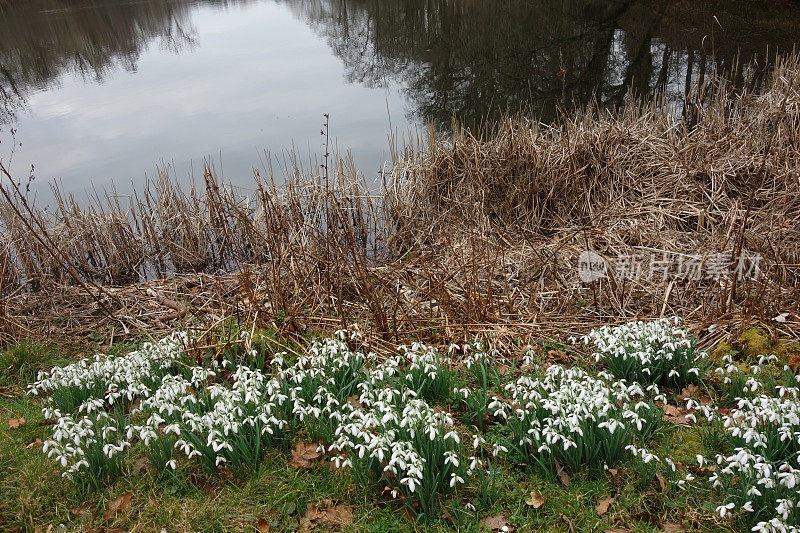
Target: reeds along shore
<point x="470" y="234"/>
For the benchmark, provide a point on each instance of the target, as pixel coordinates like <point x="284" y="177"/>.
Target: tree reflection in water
<point x="465" y="58"/>
<point x="476" y="59"/>
<point x="42" y="40"/>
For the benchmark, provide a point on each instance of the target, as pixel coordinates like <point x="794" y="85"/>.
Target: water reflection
<point x="102" y="89"/>
<point x="473" y="59"/>
<point x="43" y="40"/>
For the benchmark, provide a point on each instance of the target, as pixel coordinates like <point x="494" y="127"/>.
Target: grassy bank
<point x="294" y="487"/>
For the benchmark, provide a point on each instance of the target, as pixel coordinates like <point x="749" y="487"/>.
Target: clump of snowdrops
<point x="154" y="397"/>
<point x="395" y="438"/>
<point x="118" y="380"/>
<point x="426" y="371"/>
<point x="482" y="365"/>
<point x="220" y="425"/>
<point x="321" y="381"/>
<point x="658" y="351"/>
<point x="567" y="418"/>
<point x="375" y="416"/>
<point x="758" y="472"/>
<point x="373" y="413"/>
<point x="92" y="400"/>
<point x="89" y="447"/>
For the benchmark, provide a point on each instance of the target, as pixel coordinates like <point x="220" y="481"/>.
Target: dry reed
<point x="471" y="235"/>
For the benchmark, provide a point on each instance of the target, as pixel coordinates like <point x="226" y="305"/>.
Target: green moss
<point x="754" y="342"/>
<point x="720" y="350"/>
<point x="684" y="444"/>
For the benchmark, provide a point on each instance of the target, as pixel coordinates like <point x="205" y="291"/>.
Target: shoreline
<point x="482" y="232"/>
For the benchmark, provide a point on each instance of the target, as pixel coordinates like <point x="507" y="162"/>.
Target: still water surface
<point x="103" y="91"/>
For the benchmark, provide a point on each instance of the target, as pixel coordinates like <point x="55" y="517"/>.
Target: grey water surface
<point x="104" y="91"/>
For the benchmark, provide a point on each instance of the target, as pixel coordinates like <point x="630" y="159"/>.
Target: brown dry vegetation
<point x="471" y="235"/>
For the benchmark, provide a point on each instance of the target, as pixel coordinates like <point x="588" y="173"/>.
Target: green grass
<point x="33" y="495"/>
<point x="20" y="362"/>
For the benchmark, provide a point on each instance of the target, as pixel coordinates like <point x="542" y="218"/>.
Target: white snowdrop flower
<point x="474" y="463"/>
<point x="722" y="510"/>
<point x="455" y="479"/>
<point x="450" y="457"/>
<point x="452" y="435"/>
<point x="497" y="449"/>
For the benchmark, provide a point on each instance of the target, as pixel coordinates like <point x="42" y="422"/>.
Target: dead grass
<point x="473" y="234"/>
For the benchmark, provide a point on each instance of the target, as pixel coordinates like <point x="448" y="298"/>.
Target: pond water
<point x="102" y="91"/>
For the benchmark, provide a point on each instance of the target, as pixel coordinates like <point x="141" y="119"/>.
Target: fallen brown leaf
<point x="117" y="505"/>
<point x="16" y="422"/>
<point x="602" y="507"/>
<point x="35" y="444"/>
<point x="262" y="526"/>
<point x="614" y="472"/>
<point x="355" y="399"/>
<point x="448" y="516"/>
<point x="325" y="515"/>
<point x="701" y="470"/>
<point x="497" y="523"/>
<point x="304" y="455"/>
<point x="675" y="415"/>
<point x="80" y="510"/>
<point x="562" y="475"/>
<point x="661" y="483"/>
<point x="673" y="527"/>
<point x="386" y="492"/>
<point x="536" y="500"/>
<point x="690" y="391"/>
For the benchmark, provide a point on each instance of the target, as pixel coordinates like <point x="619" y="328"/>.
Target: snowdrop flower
<point x="455" y="479"/>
